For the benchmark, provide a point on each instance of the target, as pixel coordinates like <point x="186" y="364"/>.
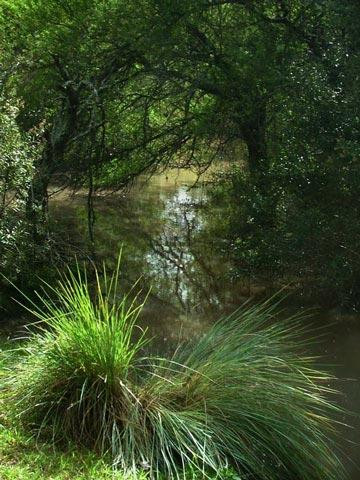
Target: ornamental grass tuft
<point x="239" y="397"/>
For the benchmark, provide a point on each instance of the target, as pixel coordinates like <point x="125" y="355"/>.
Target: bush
<point x="21" y="254"/>
<point x="238" y="396"/>
<point x="17" y="156"/>
<point x="304" y="233"/>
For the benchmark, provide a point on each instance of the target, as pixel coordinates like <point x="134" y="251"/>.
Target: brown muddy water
<point x="167" y="231"/>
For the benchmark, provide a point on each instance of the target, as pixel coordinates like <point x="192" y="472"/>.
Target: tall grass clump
<point x="239" y="397"/>
<point x="72" y="380"/>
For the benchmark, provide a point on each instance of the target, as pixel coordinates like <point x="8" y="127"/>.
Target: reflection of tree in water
<point x="180" y="253"/>
<point x="166" y="239"/>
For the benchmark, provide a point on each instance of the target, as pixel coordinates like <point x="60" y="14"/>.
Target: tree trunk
<point x="37" y="200"/>
<point x="253" y="132"/>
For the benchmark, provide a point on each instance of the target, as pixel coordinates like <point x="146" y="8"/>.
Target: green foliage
<point x="17" y="155"/>
<point x="313" y="236"/>
<point x="22" y="459"/>
<point x="303" y="227"/>
<point x="121" y="88"/>
<point x="22" y="217"/>
<point x="239" y="395"/>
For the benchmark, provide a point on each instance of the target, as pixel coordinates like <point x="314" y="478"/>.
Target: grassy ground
<point x="22" y="459"/>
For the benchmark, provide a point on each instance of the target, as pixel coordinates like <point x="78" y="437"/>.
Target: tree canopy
<point x="116" y="88"/>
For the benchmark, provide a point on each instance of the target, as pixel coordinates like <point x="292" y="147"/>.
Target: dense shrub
<point x="24" y="243"/>
<point x="16" y="169"/>
<point x="306" y="230"/>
